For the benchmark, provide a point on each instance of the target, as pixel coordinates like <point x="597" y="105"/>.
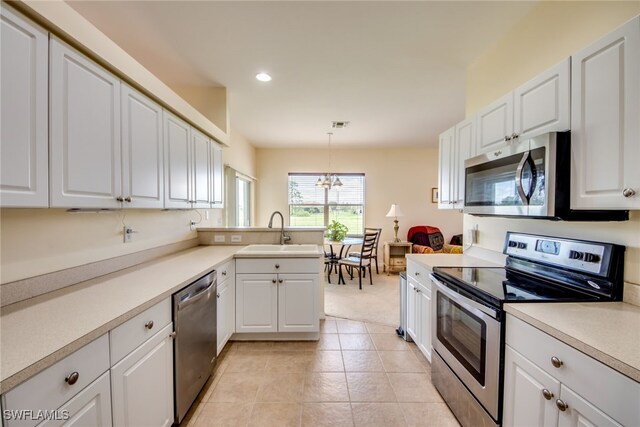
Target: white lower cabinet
<point x="419" y="307"/>
<point x="91" y="407"/>
<point x="550" y="383"/>
<point x="142" y="384"/>
<point x="282" y="301"/>
<point x="226" y="308"/>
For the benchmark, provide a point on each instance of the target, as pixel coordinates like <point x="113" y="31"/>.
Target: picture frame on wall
<point x="434" y="195"/>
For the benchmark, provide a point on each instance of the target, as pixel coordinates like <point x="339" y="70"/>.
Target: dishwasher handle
<point x="195" y="297"/>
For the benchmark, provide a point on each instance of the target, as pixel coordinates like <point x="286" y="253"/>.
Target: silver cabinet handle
<point x="279" y="280"/>
<point x="547" y="394"/>
<point x="277" y="265"/>
<point x="217" y="295"/>
<point x="514" y="135"/>
<point x="417" y="273"/>
<point x="556" y="362"/>
<point x="507" y="138"/>
<point x="224" y="273"/>
<point x="119" y="199"/>
<point x="173" y="334"/>
<point x="273" y="280"/>
<point x="127" y="199"/>
<point x="561" y="405"/>
<point x="72" y="378"/>
<point x="149" y="325"/>
<point x="628" y="192"/>
<point x="497" y="153"/>
<point x="418" y="290"/>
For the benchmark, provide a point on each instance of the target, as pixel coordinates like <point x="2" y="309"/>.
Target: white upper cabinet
<point x="605" y="118"/>
<point x="446" y="176"/>
<point x="177" y="134"/>
<point x="540" y="105"/>
<point x="201" y="161"/>
<point x="494" y="124"/>
<point x="24" y="163"/>
<point x="85" y="132"/>
<point x="543" y="104"/>
<point x="464" y="149"/>
<point x="217" y="177"/>
<point x="142" y="151"/>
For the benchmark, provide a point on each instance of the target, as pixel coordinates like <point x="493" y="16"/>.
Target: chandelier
<point x="329" y="180"/>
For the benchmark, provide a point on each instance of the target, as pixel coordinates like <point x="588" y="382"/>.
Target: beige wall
<point x="393" y="175"/>
<point x="38" y="241"/>
<point x="552" y="31"/>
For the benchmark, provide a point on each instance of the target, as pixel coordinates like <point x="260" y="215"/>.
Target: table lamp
<point x="394" y="213"/>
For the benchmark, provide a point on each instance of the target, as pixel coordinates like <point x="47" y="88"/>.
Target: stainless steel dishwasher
<point x="195" y="345"/>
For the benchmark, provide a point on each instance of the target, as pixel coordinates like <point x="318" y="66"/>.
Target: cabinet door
<point x="226" y="312"/>
<point x="256" y="303"/>
<point x="217" y="177"/>
<point x="142" y="157"/>
<point x="423" y="314"/>
<point x="177" y="164"/>
<point x="90" y="407"/>
<point x="494" y="123"/>
<point x="411" y="308"/>
<point x="201" y="149"/>
<point x="298" y="302"/>
<point x="85" y="132"/>
<point x="24" y="113"/>
<point x="524" y="402"/>
<point x="142" y="384"/>
<point x="605" y="125"/>
<point x="464" y="149"/>
<point x="580" y="413"/>
<point x="446" y="175"/>
<point x="542" y="104"/>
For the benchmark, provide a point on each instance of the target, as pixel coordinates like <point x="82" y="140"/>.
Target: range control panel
<point x="591" y="257"/>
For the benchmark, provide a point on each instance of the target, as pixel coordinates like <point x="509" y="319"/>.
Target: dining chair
<point x="361" y="262"/>
<point x="374" y="253"/>
<point x="330" y="262"/>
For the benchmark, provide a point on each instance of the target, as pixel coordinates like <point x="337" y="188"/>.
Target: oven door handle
<point x="470" y="305"/>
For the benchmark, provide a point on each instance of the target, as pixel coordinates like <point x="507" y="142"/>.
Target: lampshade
<point x="394" y="212"/>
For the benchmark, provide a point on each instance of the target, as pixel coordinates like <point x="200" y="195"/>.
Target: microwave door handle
<point x="519" y="171"/>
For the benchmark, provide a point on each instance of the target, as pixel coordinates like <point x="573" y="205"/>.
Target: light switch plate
<point x="127" y="234"/>
<point x="218" y="238"/>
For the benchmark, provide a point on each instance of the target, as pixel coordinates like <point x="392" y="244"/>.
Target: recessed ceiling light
<point x="263" y="77"/>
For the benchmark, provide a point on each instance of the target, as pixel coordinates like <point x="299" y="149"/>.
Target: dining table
<point x="337" y="251"/>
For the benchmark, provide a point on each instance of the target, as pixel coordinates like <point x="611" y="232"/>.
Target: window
<point x="311" y="206"/>
<point x="243" y="202"/>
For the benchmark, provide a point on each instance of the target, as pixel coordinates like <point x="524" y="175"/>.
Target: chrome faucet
<point x="283" y="238"/>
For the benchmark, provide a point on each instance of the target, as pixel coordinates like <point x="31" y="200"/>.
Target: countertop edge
<point x="613" y="363"/>
<point x="42" y="364"/>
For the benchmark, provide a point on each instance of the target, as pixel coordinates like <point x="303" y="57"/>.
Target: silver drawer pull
<point x="561" y="405"/>
<point x="279" y="280"/>
<point x="149" y="325"/>
<point x="72" y="378"/>
<point x="547" y="394"/>
<point x="556" y="362"/>
<point x="273" y="280"/>
<point x="628" y="192"/>
<point x="277" y="265"/>
<point x="224" y="273"/>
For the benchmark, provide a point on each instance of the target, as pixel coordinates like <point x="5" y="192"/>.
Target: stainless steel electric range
<point x="468" y="320"/>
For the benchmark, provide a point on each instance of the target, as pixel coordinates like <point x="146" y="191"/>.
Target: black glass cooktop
<point x="498" y="285"/>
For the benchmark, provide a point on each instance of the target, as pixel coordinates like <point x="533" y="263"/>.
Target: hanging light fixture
<point x="329" y="179"/>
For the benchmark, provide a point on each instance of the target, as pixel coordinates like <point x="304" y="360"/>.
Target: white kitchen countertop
<point x="37" y="332"/>
<point x="607" y="331"/>
<point x="450" y="260"/>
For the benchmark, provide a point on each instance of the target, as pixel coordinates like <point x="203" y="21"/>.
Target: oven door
<point x="466" y="335"/>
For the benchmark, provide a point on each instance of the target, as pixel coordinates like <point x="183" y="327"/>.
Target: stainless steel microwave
<point x="531" y="178"/>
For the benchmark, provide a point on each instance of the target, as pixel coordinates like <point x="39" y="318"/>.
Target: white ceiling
<point x="395" y="69"/>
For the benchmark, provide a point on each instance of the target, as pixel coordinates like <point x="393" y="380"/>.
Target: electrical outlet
<point x="219" y="238"/>
<point x="472" y="235"/>
<point x="193" y="225"/>
<point x="127" y="234"/>
<point x="236" y="238"/>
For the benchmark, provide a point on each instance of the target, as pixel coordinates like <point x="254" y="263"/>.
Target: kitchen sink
<point x="280" y="249"/>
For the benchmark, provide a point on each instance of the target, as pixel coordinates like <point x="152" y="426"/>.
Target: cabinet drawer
<point x="397" y="262"/>
<point x="49" y="390"/>
<point x="224" y="271"/>
<point x="418" y="272"/>
<point x="131" y="334"/>
<point x="278" y="265"/>
<point x="608" y="390"/>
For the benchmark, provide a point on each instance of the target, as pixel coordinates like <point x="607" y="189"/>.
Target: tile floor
<point x="357" y="374"/>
